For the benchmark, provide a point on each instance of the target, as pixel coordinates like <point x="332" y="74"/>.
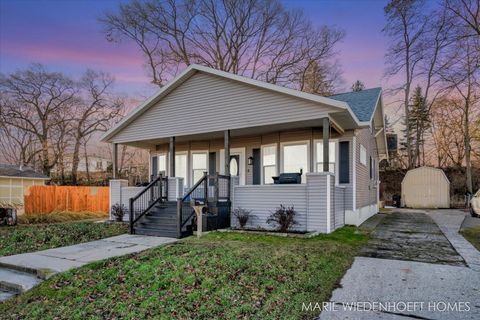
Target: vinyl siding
<point x="263" y="200"/>
<point x="339" y="210"/>
<point x="208" y="103"/>
<point x="366" y="187"/>
<point x="317" y="202"/>
<point x="252" y="142"/>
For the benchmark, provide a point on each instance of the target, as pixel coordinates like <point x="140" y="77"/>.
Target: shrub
<point x="118" y="211"/>
<point x="284" y="217"/>
<point x="242" y="216"/>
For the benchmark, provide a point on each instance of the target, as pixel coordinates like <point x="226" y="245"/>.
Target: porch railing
<point x="210" y="188"/>
<point x="155" y="192"/>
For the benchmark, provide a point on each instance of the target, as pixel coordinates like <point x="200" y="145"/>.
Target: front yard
<point x="222" y="275"/>
<point x="34" y="237"/>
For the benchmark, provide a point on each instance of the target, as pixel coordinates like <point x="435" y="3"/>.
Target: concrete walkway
<point x="392" y="288"/>
<point x="450" y="222"/>
<point x="19" y="273"/>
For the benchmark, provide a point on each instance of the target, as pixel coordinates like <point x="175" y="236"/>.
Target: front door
<point x="235" y="165"/>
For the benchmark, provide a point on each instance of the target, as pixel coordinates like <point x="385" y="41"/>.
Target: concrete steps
<point x="13" y="282"/>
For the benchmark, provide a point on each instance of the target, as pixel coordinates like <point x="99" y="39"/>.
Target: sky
<point x="66" y="36"/>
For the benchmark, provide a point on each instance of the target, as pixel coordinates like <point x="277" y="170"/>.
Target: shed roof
<point x="8" y="170"/>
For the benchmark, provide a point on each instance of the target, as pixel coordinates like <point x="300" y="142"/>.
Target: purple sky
<point x="65" y="36"/>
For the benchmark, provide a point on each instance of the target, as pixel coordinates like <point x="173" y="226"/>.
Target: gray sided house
<point x="222" y="140"/>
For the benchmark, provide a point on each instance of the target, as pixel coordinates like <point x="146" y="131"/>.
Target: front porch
<point x="238" y="171"/>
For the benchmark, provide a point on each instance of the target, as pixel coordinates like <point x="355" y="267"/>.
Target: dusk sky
<point x="66" y="36"/>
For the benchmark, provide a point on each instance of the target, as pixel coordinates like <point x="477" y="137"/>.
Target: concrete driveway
<point x="415" y="266"/>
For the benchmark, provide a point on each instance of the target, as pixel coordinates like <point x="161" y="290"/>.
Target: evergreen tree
<point x="358" y="86"/>
<point x="419" y="124"/>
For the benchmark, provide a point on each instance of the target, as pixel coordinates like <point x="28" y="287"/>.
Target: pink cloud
<point x="86" y="56"/>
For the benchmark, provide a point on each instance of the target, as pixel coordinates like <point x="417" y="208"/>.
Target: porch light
<point x="250" y="161"/>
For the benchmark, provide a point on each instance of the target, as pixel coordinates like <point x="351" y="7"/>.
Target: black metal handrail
<point x="153" y="193"/>
<point x="203" y="181"/>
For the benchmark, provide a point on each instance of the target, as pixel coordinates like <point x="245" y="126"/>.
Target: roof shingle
<point x="362" y="102"/>
<point x="8" y="170"/>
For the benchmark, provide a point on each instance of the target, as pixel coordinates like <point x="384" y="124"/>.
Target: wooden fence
<point x="46" y="199"/>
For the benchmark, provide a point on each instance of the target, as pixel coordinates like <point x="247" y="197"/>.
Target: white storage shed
<point x="425" y="187"/>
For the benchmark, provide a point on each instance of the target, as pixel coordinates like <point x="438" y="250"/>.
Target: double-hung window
<point x="162" y="163"/>
<point x="295" y="158"/>
<point x="181" y="167"/>
<point x="331" y="156"/>
<point x="269" y="163"/>
<point x="199" y="165"/>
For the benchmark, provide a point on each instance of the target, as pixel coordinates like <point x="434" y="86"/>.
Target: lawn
<point x="472" y="235"/>
<point x="27" y="238"/>
<point x="222" y="276"/>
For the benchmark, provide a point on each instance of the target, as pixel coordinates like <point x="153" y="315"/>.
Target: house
<point x="92" y="164"/>
<point x="222" y="139"/>
<point x="15" y="181"/>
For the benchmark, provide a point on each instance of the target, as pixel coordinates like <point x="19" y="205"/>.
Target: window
<point x="199" y="166"/>
<point x="331" y="156"/>
<point x="371" y="168"/>
<point x="295" y="158"/>
<point x="269" y="163"/>
<point x="99" y="165"/>
<point x="363" y="155"/>
<point x="181" y="167"/>
<point x="344" y="162"/>
<point x="162" y="163"/>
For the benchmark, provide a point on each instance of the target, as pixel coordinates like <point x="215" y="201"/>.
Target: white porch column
<point x="326" y="144"/>
<point x="115" y="191"/>
<point x="320" y="202"/>
<point x="171" y="154"/>
<point x="115" y="161"/>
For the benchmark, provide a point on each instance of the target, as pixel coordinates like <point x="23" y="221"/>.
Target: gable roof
<point x="8" y="170"/>
<point x="362" y="102"/>
<point x="333" y="101"/>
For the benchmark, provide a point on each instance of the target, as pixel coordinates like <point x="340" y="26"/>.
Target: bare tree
<point x="466" y="12"/>
<point x="254" y="38"/>
<point x="37" y="102"/>
<point x="94" y="110"/>
<point x="463" y="78"/>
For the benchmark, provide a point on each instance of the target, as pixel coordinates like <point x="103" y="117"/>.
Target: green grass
<point x="472" y="235"/>
<point x="221" y="276"/>
<point x="63" y="216"/>
<point x="28" y="238"/>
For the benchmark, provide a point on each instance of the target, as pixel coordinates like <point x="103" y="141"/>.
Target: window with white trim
<point x="162" y="163"/>
<point x="199" y="165"/>
<point x="295" y="158"/>
<point x="269" y="163"/>
<point x="331" y="156"/>
<point x="181" y="167"/>
<point x="363" y="155"/>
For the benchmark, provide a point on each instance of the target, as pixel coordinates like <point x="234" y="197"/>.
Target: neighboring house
<point x="207" y="120"/>
<point x="94" y="164"/>
<point x="15" y="181"/>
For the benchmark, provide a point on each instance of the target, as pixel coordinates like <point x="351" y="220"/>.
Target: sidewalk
<point x="21" y="272"/>
<point x="49" y="262"/>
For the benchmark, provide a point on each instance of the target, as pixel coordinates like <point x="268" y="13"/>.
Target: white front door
<point x="237" y="163"/>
